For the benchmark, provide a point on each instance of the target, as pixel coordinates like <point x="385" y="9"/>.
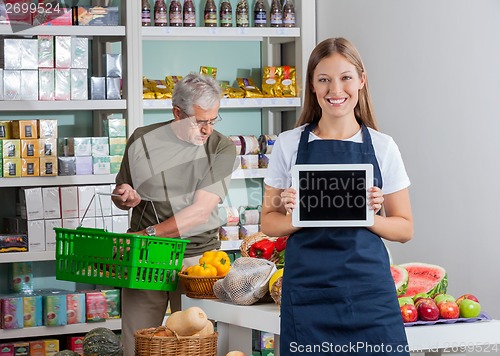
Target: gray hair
<point x="196" y="89"/>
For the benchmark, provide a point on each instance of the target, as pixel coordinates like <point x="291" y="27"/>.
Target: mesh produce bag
<point x="246" y="282"/>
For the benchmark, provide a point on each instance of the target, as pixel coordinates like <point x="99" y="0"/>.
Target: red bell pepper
<point x="262" y="249"/>
<point x="281" y="243"/>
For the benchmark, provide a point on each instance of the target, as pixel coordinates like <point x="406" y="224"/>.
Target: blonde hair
<point x="311" y="111"/>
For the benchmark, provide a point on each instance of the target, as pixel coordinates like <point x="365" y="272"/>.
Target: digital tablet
<point x="332" y="195"/>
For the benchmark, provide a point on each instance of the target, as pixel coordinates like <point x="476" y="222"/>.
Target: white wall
<point x="434" y="73"/>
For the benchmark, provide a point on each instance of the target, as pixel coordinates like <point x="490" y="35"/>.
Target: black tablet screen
<point x="332" y="195"/>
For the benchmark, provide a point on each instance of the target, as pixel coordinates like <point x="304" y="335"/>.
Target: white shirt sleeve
<point x="394" y="176"/>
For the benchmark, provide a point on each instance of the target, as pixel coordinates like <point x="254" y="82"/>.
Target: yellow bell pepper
<point x="202" y="270"/>
<point x="218" y="259"/>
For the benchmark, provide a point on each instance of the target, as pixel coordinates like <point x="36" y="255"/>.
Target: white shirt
<point x="284" y="155"/>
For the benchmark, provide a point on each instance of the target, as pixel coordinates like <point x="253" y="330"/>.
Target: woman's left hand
<point x="375" y="199"/>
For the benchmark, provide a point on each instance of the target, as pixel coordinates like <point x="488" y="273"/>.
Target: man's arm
<point x="191" y="216"/>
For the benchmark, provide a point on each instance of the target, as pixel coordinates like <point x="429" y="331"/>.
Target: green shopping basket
<point x="95" y="256"/>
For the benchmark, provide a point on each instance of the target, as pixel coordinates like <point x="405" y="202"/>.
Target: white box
<point x="29" y="54"/>
<point x="105" y="223"/>
<point x="63" y="51"/>
<point x="79" y="52"/>
<point x="101" y="165"/>
<point x="50" y="234"/>
<point x="120" y="224"/>
<point x="69" y="202"/>
<point x="72" y="223"/>
<point x="11" y="84"/>
<point x="29" y="85"/>
<point x="51" y="203"/>
<point x="85" y="195"/>
<point x="62" y="84"/>
<point x="12" y="53"/>
<point x="114" y="210"/>
<point x="31" y="203"/>
<point x="79" y="84"/>
<point x="83" y="146"/>
<point x="36" y="235"/>
<point x="46" y="84"/>
<point x="102" y="200"/>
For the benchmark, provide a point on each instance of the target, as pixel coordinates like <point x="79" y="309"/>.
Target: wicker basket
<point x="258" y="236"/>
<point x="146" y="344"/>
<point x="199" y="287"/>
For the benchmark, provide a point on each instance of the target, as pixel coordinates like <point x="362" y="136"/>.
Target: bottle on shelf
<point x="189" y="13"/>
<point x="242" y="14"/>
<point x="175" y="13"/>
<point x="276" y="15"/>
<point x="259" y="14"/>
<point x="160" y="13"/>
<point x="288" y="14"/>
<point x="210" y="15"/>
<point x="146" y="13"/>
<point x="226" y="14"/>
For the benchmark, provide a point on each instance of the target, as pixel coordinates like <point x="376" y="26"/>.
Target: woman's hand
<point x="288" y="199"/>
<point x="375" y="199"/>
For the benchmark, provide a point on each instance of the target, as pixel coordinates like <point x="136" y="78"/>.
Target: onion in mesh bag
<point x="246" y="282"/>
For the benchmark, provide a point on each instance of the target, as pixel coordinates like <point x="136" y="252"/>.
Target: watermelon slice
<point x="425" y="278"/>
<point x="400" y="276"/>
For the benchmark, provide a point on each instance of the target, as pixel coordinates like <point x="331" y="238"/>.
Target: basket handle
<point x="144" y="209"/>
<point x="100" y="205"/>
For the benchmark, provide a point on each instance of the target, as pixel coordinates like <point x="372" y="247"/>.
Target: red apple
<point x="409" y="313"/>
<point x="428" y="311"/>
<point x="422" y="300"/>
<point x="467" y="296"/>
<point x="448" y="310"/>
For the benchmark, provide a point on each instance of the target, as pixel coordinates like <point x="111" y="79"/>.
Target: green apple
<point x="405" y="300"/>
<point x="444" y="298"/>
<point x="469" y="309"/>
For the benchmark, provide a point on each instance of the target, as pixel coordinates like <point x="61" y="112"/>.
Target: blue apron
<point x="338" y="294"/>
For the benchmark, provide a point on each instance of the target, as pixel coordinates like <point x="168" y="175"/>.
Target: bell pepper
<point x="281" y="243"/>
<point x="202" y="270"/>
<point x="218" y="259"/>
<point x="262" y="249"/>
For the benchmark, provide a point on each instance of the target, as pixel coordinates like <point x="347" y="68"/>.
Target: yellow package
<point x="288" y="87"/>
<point x="171" y="80"/>
<point x="271" y="82"/>
<point x="161" y="90"/>
<point x="248" y="85"/>
<point x="147" y="90"/>
<point x="233" y="93"/>
<point x="30" y="167"/>
<point x="209" y="71"/>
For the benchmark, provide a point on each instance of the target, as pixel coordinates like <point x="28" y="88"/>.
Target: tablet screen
<point x="332" y="195"/>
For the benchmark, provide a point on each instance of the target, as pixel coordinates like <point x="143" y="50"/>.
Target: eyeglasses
<point x="203" y="123"/>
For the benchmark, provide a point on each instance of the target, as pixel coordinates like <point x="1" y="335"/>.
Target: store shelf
<point x="84" y="31"/>
<point x="220" y="33"/>
<point x="41" y="331"/>
<point x="237" y="103"/>
<point x="37" y="105"/>
<point x="8" y="257"/>
<point x="230" y="245"/>
<point x="57" y="181"/>
<point x="249" y="173"/>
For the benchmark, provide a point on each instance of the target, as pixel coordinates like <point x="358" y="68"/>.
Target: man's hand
<point x="128" y="197"/>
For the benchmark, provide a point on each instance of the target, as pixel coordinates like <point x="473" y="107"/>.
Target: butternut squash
<point x="207" y="330"/>
<point x="235" y="353"/>
<point x="187" y="322"/>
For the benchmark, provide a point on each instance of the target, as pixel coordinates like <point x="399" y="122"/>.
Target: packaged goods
<point x="248" y="85"/>
<point x="210" y="71"/>
<point x="171" y="80"/>
<point x="271" y="81"/>
<point x="288" y="82"/>
<point x="97" y="16"/>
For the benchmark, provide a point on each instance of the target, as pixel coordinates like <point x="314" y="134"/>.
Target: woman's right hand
<point x="288" y="199"/>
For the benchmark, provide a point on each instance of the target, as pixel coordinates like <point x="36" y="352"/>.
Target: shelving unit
<point x="42" y="331"/>
<point x="278" y="46"/>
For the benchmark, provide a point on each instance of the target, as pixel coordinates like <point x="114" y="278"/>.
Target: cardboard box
<point x="36" y="235"/>
<point x="51" y="203"/>
<point x="6" y="129"/>
<point x="50" y="234"/>
<point x="97" y="16"/>
<point x="12" y="167"/>
<point x="48" y="166"/>
<point x="47" y="147"/>
<point x="31" y="203"/>
<point x="47" y="128"/>
<point x="30" y="148"/>
<point x="30" y="167"/>
<point x="33" y="310"/>
<point x="85" y="197"/>
<point x="11" y="148"/>
<point x="13" y="243"/>
<point x="69" y="202"/>
<point x="25" y="129"/>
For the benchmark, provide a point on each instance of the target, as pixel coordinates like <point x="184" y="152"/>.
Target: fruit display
<point x="420" y="278"/>
<point x="441" y="307"/>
